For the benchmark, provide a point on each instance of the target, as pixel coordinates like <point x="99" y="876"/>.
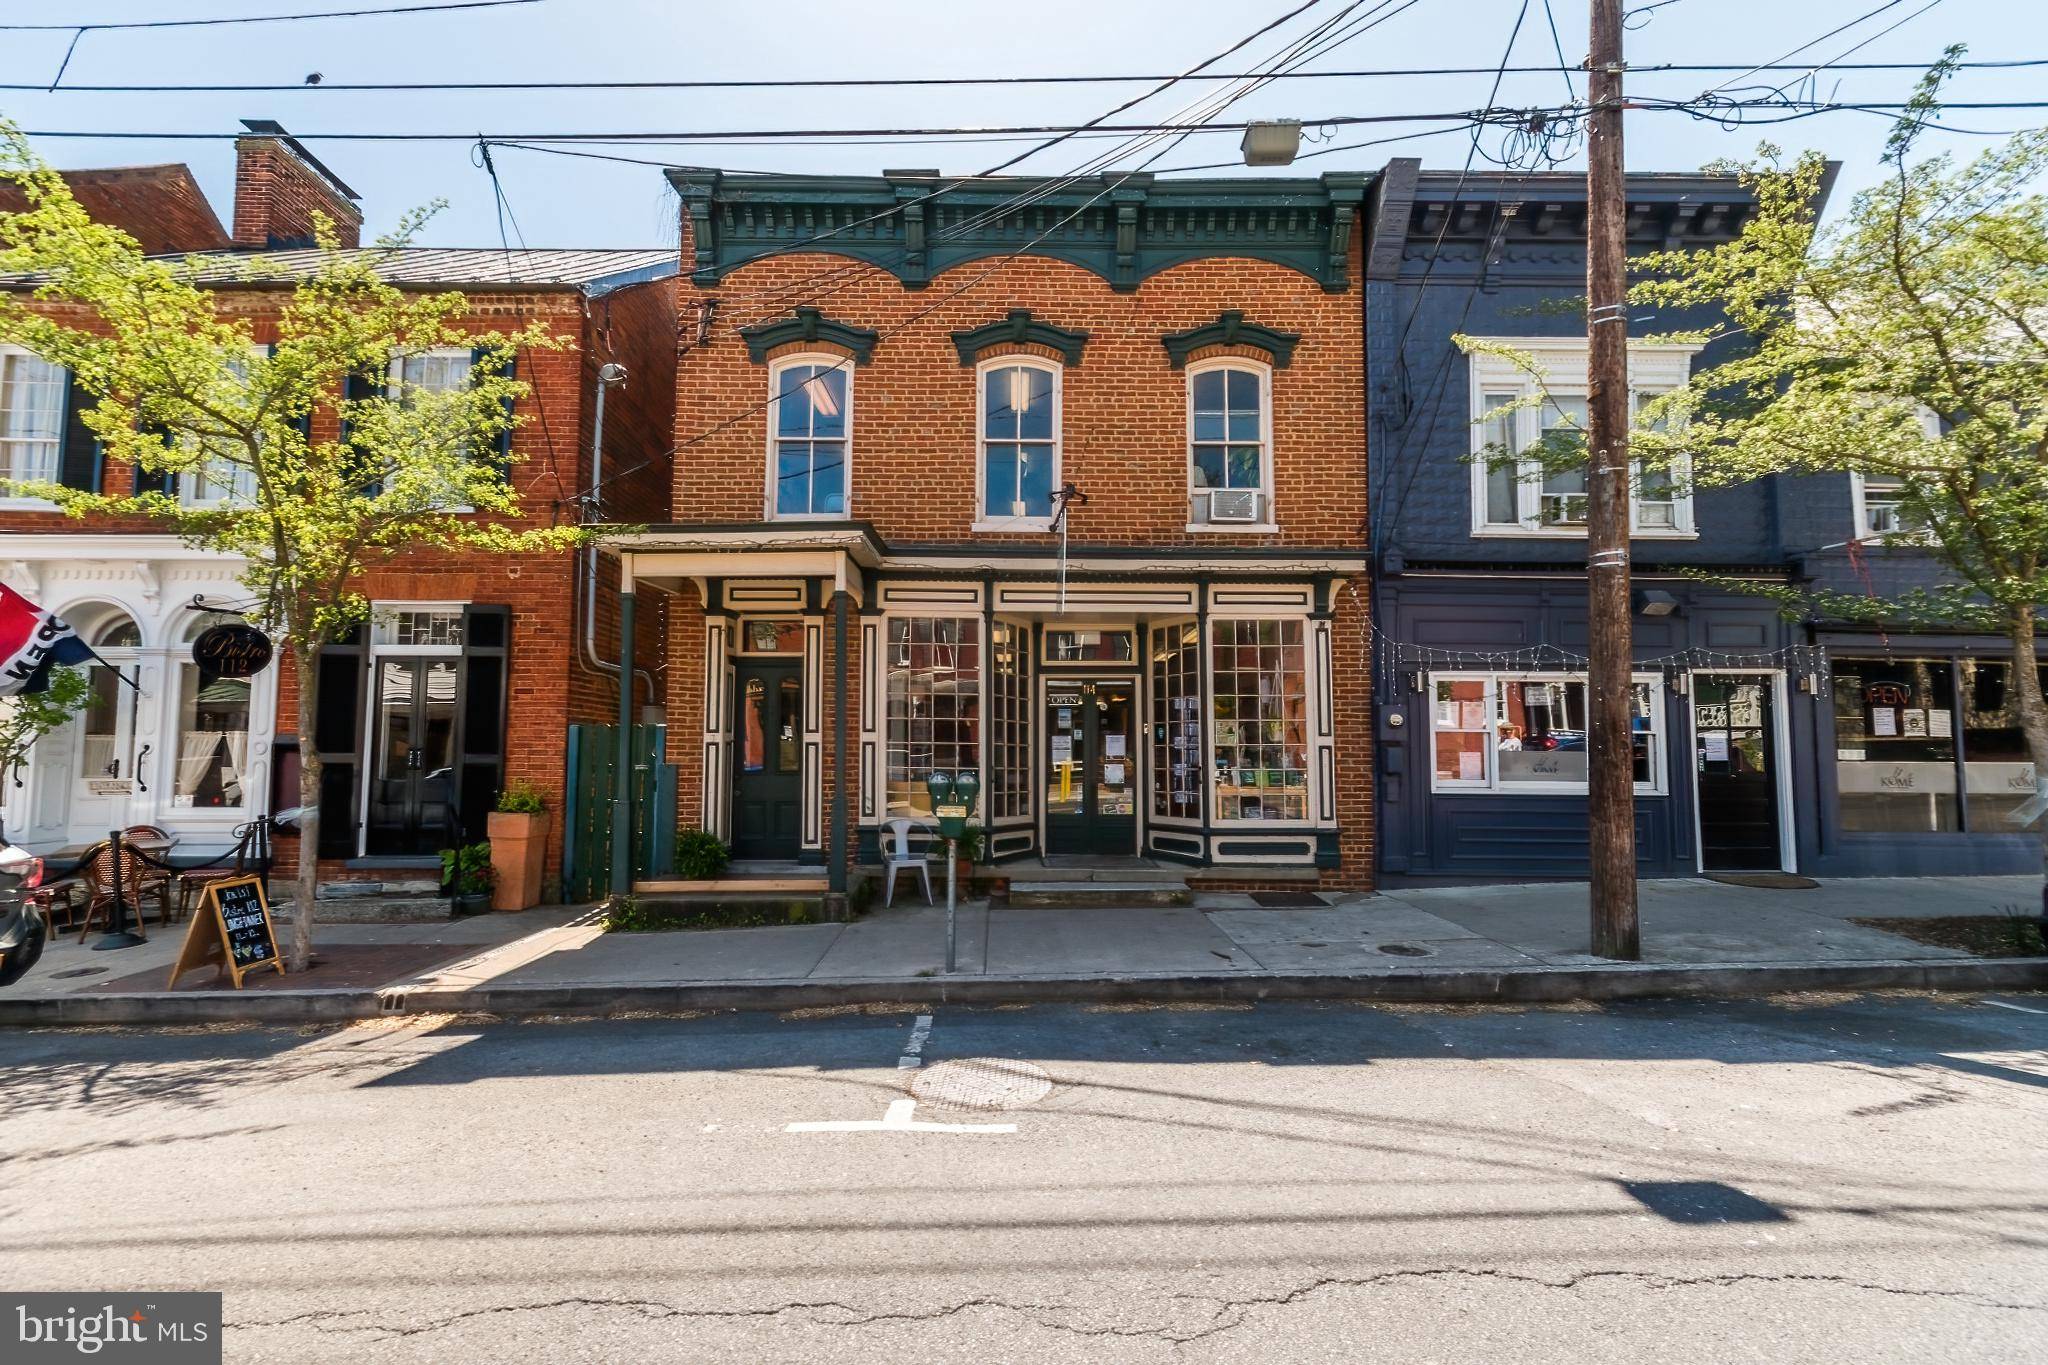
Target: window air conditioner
<point x="1234" y="504"/>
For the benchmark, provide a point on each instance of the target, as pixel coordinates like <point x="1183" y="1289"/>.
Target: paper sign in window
<point x="1884" y="722"/>
<point x="1112" y="746"/>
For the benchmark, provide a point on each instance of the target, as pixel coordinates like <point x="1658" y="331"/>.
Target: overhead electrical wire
<point x="217" y="21"/>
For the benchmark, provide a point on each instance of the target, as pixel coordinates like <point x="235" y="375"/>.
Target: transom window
<point x="1230" y="445"/>
<point x="811" y="401"/>
<point x="1526" y="732"/>
<point x="31" y="417"/>
<point x="1020" y="444"/>
<point x="1517" y="422"/>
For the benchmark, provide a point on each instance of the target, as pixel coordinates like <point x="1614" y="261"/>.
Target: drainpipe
<point x="593" y="512"/>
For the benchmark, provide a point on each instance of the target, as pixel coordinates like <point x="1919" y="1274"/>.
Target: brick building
<point x="472" y="666"/>
<point x="1061" y="482"/>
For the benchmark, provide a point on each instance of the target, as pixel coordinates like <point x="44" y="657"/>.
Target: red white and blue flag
<point x="32" y="642"/>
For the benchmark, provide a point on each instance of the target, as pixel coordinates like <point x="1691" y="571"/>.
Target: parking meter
<point x="953" y="796"/>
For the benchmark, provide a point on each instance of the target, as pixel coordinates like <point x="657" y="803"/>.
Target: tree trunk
<point x="2026" y="678"/>
<point x="307" y="661"/>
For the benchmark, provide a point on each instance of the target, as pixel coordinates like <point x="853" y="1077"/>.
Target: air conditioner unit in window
<point x="1234" y="504"/>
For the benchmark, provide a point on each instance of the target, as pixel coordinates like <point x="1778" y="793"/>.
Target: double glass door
<point x="412" y="781"/>
<point x="1091" y="792"/>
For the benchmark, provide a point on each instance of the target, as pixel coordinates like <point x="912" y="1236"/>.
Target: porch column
<point x="622" y="777"/>
<point x="835" y="871"/>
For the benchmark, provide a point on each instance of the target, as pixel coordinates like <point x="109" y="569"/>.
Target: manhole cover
<point x="77" y="971"/>
<point x="1403" y="950"/>
<point x="981" y="1083"/>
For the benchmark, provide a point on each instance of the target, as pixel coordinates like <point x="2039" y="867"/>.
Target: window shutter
<point x="147" y="481"/>
<point x="504" y="458"/>
<point x="78" y="450"/>
<point x="337" y="738"/>
<point x="480" y="698"/>
<point x="360" y="388"/>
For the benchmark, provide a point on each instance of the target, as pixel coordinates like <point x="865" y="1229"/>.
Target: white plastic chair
<point x="896" y="857"/>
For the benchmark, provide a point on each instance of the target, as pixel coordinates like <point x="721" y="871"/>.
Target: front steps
<point x="1094" y="895"/>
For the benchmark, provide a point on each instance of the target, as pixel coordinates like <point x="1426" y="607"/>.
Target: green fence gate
<point x="587" y="824"/>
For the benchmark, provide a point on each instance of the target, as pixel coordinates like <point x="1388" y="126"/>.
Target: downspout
<point x="593" y="513"/>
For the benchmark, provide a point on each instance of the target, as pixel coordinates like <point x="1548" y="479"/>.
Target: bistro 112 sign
<point x="232" y="649"/>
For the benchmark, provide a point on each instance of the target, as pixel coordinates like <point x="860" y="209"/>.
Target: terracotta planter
<point x="519" y="849"/>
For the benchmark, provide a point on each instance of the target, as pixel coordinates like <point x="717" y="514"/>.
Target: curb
<point x="1522" y="985"/>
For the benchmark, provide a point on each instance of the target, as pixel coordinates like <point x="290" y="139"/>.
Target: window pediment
<point x="1020" y="328"/>
<point x="810" y="325"/>
<point x="1230" y="329"/>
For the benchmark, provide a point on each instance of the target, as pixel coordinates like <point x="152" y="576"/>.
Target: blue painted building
<point x="1762" y="744"/>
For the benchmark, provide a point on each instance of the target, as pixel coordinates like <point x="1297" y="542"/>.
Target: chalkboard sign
<point x="232" y="930"/>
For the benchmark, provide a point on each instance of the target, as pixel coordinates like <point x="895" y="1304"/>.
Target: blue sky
<point x="560" y="201"/>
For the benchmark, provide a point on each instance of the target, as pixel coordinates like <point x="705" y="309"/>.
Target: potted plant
<point x="466" y="878"/>
<point x="701" y="856"/>
<point x="969" y="854"/>
<point x="518" y="831"/>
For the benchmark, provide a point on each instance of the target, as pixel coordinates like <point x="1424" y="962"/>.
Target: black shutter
<point x="504" y="456"/>
<point x="337" y="738"/>
<point x="481" y="693"/>
<point x="78" y="450"/>
<point x="157" y="481"/>
<point x="360" y="388"/>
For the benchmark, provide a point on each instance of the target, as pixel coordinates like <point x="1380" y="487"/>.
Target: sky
<point x="563" y="201"/>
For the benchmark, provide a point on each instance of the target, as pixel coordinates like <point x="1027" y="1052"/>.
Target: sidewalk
<point x="1493" y="942"/>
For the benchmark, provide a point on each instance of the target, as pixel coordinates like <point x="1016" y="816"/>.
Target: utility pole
<point x="1611" y="796"/>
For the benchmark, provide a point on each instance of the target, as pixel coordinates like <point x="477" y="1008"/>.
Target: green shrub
<point x="970" y="846"/>
<point x="701" y="856"/>
<point x="467" y="871"/>
<point x="521" y="798"/>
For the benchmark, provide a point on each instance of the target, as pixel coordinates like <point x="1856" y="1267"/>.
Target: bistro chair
<point x="896" y="858"/>
<point x="252" y="854"/>
<point x="62" y="894"/>
<point x="138" y="879"/>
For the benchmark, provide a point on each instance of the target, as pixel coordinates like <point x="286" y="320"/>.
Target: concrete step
<point x="1094" y="895"/>
<point x="725" y="909"/>
<point x="1029" y="871"/>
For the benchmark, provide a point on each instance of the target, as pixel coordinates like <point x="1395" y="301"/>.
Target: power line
<point x="886" y="82"/>
<point x="256" y="18"/>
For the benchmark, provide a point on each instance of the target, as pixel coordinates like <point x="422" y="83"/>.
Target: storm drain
<point x="981" y="1083"/>
<point x="1403" y="950"/>
<point x="1287" y="900"/>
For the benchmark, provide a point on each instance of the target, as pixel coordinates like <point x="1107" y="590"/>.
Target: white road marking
<point x="898" y="1120"/>
<point x="913" y="1051"/>
<point x="2008" y="1005"/>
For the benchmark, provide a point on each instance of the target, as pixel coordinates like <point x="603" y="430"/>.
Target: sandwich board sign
<point x="231" y="930"/>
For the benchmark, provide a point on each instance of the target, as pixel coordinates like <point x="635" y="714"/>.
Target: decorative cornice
<point x="1230" y="329"/>
<point x="1020" y="328"/>
<point x="810" y="325"/>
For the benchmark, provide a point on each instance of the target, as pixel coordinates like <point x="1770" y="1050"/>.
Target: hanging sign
<point x="232" y="649"/>
<point x="232" y="931"/>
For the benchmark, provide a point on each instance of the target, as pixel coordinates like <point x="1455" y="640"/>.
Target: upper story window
<point x="31" y="417"/>
<point x="810" y="421"/>
<point x="1519" y="495"/>
<point x="1880" y="498"/>
<point x="224" y="473"/>
<point x="1230" y="446"/>
<point x="1020" y="444"/>
<point x="445" y="369"/>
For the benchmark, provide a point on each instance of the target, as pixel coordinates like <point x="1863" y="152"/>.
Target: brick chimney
<point x="279" y="185"/>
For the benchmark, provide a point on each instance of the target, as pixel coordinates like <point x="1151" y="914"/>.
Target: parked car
<point x="21" y="926"/>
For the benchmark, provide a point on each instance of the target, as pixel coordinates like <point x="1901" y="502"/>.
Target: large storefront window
<point x="1259" y="683"/>
<point x="1998" y="776"/>
<point x="1527" y="732"/>
<point x="1009" y="735"/>
<point x="934" y="691"/>
<point x="213" y="738"/>
<point x="1177" y="722"/>
<point x="1895" y="747"/>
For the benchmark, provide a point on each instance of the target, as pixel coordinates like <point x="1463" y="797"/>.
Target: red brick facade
<point x="277" y="193"/>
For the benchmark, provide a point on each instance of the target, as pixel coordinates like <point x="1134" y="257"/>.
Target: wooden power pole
<point x="1611" y="796"/>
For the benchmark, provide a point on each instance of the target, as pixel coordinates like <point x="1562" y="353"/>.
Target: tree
<point x="1907" y="342"/>
<point x="182" y="389"/>
<point x="27" y="716"/>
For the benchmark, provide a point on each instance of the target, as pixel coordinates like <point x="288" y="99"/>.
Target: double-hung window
<point x="1230" y="445"/>
<point x="1528" y="471"/>
<point x="1526" y="732"/>
<point x="811" y="398"/>
<point x="424" y="377"/>
<point x="31" y="417"/>
<point x="1020" y="444"/>
<point x="225" y="473"/>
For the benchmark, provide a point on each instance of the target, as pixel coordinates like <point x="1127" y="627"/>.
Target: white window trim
<point x="1654" y="367"/>
<point x="1267" y="524"/>
<point x="394" y="380"/>
<point x="9" y="501"/>
<point x="1930" y="427"/>
<point x="838" y="362"/>
<point x="186" y="478"/>
<point x="1491" y="785"/>
<point x="983" y="522"/>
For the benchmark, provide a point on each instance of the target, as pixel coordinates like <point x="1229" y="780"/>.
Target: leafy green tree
<point x="1907" y="342"/>
<point x="182" y="389"/>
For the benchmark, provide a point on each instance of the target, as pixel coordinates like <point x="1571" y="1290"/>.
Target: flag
<point x="32" y="642"/>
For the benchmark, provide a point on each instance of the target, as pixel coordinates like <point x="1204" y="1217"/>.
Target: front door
<point x="104" y="776"/>
<point x="1091" y="792"/>
<point x="768" y="774"/>
<point x="412" y="780"/>
<point x="1737" y="772"/>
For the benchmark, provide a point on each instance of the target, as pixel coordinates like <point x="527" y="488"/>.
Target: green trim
<point x="1020" y="327"/>
<point x="810" y="325"/>
<point x="1230" y="329"/>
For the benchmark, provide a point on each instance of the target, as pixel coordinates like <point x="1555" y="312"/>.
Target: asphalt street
<point x="1812" y="1179"/>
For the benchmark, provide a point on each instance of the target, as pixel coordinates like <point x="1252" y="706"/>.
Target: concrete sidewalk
<point x="1495" y="942"/>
